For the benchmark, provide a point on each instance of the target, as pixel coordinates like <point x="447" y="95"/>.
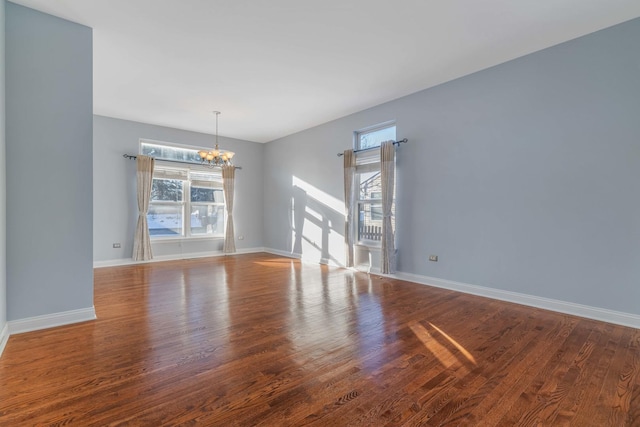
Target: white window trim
<point x="186" y="194"/>
<point x="358" y="202"/>
<point x="169" y="144"/>
<point x="186" y="204"/>
<point x="367" y="156"/>
<point x="369" y="129"/>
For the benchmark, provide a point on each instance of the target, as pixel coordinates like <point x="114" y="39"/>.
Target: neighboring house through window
<point x="187" y="201"/>
<point x="368" y="182"/>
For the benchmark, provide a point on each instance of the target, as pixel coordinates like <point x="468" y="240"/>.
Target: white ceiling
<point x="280" y="66"/>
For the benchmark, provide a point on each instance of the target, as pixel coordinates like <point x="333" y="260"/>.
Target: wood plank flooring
<point x="263" y="340"/>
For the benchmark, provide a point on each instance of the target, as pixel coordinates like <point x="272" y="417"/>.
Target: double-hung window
<point x="368" y="183"/>
<point x="167" y="206"/>
<point x="187" y="200"/>
<point x="207" y="204"/>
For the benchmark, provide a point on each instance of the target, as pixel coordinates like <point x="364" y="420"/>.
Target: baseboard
<point x="4" y="337"/>
<point x="303" y="259"/>
<point x="174" y="257"/>
<point x="282" y="253"/>
<point x="51" y="320"/>
<point x="605" y="315"/>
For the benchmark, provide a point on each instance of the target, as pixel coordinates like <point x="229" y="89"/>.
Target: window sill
<point x="369" y="245"/>
<point x="184" y="239"/>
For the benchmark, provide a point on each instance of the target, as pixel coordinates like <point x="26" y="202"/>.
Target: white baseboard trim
<point x="303" y="259"/>
<point x="174" y="257"/>
<point x="602" y="314"/>
<point x="282" y="253"/>
<point x="4" y="337"/>
<point x="51" y="320"/>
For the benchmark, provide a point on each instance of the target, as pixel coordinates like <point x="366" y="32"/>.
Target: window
<point x="374" y="136"/>
<point x="368" y="182"/>
<point x="207" y="205"/>
<point x="163" y="151"/>
<point x="186" y="201"/>
<point x="166" y="208"/>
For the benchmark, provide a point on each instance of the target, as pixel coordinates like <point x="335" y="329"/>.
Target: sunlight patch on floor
<point x="457" y="345"/>
<point x="446" y="357"/>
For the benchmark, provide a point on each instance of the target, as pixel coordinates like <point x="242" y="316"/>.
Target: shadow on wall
<point x="317" y="224"/>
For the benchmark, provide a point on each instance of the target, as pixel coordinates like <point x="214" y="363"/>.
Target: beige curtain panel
<point x="228" y="180"/>
<point x="349" y="198"/>
<point x="142" y="240"/>
<point x="387" y="169"/>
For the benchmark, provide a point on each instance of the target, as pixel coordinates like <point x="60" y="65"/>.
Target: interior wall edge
<point x="4" y="337"/>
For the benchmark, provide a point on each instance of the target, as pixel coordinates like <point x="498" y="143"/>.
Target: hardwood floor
<point x="263" y="340"/>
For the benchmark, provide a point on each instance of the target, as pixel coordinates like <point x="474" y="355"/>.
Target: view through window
<point x="186" y="201"/>
<point x="368" y="182"/>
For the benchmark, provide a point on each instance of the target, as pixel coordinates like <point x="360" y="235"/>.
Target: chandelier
<point x="216" y="157"/>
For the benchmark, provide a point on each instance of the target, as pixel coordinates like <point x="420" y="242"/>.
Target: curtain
<point x="349" y="197"/>
<point x="387" y="169"/>
<point x="144" y="177"/>
<point x="228" y="179"/>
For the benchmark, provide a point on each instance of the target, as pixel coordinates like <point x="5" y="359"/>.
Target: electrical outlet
<point x="116" y="245"/>
<point x="433" y="258"/>
<point x="240" y="237"/>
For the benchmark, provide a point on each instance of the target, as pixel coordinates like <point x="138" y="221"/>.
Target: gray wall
<point x="114" y="188"/>
<point x="3" y="182"/>
<point x="522" y="177"/>
<point x="49" y="164"/>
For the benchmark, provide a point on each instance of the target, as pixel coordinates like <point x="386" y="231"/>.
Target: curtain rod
<point x="373" y="148"/>
<point x="129" y="156"/>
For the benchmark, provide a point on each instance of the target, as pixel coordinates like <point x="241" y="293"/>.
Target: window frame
<point x="181" y="203"/>
<point x="192" y="149"/>
<point x="357" y="135"/>
<point x="214" y="205"/>
<point x="361" y="205"/>
<point x="367" y="160"/>
<point x="189" y="170"/>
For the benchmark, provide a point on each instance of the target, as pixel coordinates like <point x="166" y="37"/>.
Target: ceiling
<point x="280" y="66"/>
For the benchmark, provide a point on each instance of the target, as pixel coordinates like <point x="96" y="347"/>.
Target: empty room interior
<point x="330" y="213"/>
